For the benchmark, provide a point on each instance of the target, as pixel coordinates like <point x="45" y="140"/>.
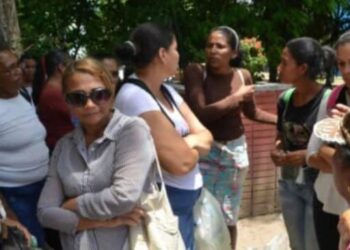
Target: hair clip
<point x="132" y="45"/>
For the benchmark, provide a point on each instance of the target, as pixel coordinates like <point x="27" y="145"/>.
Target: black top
<point x="295" y="125"/>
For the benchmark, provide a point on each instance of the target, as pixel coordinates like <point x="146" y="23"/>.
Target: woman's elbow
<point x="188" y="163"/>
<point x="309" y="159"/>
<point x="209" y="142"/>
<point x="123" y="202"/>
<point x="40" y="215"/>
<point x="44" y="217"/>
<point x="205" y="151"/>
<point x="312" y="160"/>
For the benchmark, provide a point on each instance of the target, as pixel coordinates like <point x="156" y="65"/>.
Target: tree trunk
<point x="9" y="27"/>
<point x="2" y="36"/>
<point x="273" y="74"/>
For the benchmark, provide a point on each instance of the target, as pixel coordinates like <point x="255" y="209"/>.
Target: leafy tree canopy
<point x="98" y="25"/>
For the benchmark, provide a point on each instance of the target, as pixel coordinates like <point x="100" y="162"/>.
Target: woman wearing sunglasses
<point x="98" y="171"/>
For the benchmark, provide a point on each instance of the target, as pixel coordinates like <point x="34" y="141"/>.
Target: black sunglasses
<point x="80" y="98"/>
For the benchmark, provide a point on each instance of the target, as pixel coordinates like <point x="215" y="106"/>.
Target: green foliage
<point x="67" y="24"/>
<point x="279" y="21"/>
<point x="98" y="25"/>
<point x="254" y="59"/>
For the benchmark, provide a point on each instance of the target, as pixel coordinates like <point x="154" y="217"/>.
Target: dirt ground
<point x="262" y="233"/>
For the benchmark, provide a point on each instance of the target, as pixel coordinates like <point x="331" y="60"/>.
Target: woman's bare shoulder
<point x="194" y="68"/>
<point x="246" y="75"/>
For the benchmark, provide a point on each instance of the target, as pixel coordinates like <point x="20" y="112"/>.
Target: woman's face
<point x="172" y="58"/>
<point x="343" y="61"/>
<point x="10" y="74"/>
<point x="288" y="69"/>
<point x="92" y="112"/>
<point x="218" y="51"/>
<point x="28" y="66"/>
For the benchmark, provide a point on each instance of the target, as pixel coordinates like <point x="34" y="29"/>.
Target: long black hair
<point x="46" y="68"/>
<point x="319" y="60"/>
<point x="144" y="44"/>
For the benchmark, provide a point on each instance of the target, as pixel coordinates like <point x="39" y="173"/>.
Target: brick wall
<point x="260" y="188"/>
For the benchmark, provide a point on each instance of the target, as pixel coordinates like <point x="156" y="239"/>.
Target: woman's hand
<point x="344" y="229"/>
<point x="326" y="153"/>
<point x="132" y="218"/>
<point x="293" y="159"/>
<point x="244" y="93"/>
<point x="339" y="111"/>
<point x="278" y="157"/>
<point x="20" y="227"/>
<point x="199" y="137"/>
<point x="70" y="204"/>
<point x="200" y="144"/>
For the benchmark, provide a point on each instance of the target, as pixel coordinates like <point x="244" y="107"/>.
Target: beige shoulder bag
<point x="160" y="228"/>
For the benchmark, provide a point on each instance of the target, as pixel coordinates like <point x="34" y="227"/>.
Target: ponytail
<point x="126" y="52"/>
<point x="329" y="65"/>
<point x="46" y="68"/>
<point x="144" y="44"/>
<point x="40" y="78"/>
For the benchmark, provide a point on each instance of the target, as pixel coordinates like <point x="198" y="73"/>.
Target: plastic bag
<point x="12" y="238"/>
<point x="211" y="232"/>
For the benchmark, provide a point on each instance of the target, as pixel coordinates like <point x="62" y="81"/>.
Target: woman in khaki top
<point x="97" y="172"/>
<point x="218" y="93"/>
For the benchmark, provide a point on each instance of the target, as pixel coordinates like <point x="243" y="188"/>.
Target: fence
<point x="260" y="188"/>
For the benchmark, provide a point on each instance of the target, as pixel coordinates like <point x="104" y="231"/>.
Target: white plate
<point x="328" y="130"/>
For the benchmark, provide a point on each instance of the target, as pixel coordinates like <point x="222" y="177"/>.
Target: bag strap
<point x="334" y="95"/>
<point x="24" y="92"/>
<point x="327" y="93"/>
<point x="158" y="168"/>
<point x="204" y="71"/>
<point x="241" y="77"/>
<point x="287" y="96"/>
<point x="166" y="92"/>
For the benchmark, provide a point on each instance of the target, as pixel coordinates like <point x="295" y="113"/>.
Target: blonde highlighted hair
<point x="88" y="66"/>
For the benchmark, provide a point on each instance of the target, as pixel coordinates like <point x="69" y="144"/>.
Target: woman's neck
<point x="220" y="71"/>
<point x="153" y="78"/>
<point x="8" y="95"/>
<point x="307" y="87"/>
<point x="93" y="132"/>
<point x="55" y="80"/>
<point x="305" y="91"/>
